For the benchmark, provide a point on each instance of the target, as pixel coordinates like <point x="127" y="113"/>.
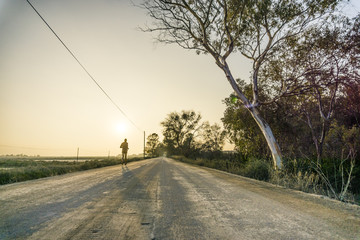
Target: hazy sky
<point x="50" y="106"/>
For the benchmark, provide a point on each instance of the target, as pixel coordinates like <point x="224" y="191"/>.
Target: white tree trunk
<point x="264" y="127"/>
<point x="269" y="136"/>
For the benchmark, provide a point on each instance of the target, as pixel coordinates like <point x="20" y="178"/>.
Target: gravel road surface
<point x="164" y="199"/>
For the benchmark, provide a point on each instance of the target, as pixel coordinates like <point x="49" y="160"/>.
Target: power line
<point x="83" y="67"/>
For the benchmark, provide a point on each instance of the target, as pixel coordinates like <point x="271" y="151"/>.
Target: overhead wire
<point x="83" y="67"/>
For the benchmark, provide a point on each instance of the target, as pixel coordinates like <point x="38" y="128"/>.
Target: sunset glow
<point x="50" y="106"/>
<point x="121" y="128"/>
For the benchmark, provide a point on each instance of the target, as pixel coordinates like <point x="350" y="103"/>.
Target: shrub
<point x="257" y="169"/>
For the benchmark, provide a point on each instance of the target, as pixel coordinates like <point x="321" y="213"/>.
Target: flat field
<point x="17" y="169"/>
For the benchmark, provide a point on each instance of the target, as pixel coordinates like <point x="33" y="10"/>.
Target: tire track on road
<point x="122" y="213"/>
<point x="164" y="199"/>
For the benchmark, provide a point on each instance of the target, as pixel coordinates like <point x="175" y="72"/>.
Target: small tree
<point x="220" y="27"/>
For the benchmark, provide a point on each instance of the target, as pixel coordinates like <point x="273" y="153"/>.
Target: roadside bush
<point x="257" y="169"/>
<point x="296" y="174"/>
<point x="254" y="168"/>
<point x="307" y="181"/>
<point x="5" y="177"/>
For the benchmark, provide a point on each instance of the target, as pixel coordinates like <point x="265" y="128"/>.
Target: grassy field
<point x="17" y="169"/>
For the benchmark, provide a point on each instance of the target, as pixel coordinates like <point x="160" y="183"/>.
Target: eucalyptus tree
<point x="222" y="27"/>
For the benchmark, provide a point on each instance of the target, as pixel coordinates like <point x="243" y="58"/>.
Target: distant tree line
<point x="185" y="134"/>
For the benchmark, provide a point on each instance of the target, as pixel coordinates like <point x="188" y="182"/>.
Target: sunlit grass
<point x="17" y="170"/>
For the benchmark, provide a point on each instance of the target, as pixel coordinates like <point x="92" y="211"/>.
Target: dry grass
<point x="18" y="170"/>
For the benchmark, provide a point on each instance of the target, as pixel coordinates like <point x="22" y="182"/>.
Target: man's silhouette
<point x="125" y="148"/>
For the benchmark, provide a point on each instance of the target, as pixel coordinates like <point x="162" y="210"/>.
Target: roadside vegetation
<point x="336" y="174"/>
<point x="296" y="120"/>
<point x="305" y="179"/>
<point x="22" y="169"/>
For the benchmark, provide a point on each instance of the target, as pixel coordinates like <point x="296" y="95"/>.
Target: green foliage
<point x="152" y="145"/>
<point x="213" y="138"/>
<point x="179" y="130"/>
<point x="184" y="134"/>
<point x="257" y="169"/>
<point x="14" y="170"/>
<point x="296" y="173"/>
<point x="342" y="154"/>
<point x="342" y="141"/>
<point x="243" y="131"/>
<point x="234" y="163"/>
<point x="306" y="181"/>
<point x="229" y="162"/>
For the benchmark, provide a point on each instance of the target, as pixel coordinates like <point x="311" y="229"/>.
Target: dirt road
<point x="164" y="199"/>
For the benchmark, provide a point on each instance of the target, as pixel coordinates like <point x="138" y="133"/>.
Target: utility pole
<point x="77" y="156"/>
<point x="144" y="144"/>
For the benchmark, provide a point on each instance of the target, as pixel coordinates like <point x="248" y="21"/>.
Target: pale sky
<point x="49" y="105"/>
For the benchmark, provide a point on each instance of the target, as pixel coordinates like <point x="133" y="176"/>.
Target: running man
<point x="125" y="148"/>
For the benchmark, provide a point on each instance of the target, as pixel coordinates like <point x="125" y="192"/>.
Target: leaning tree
<point x="222" y="27"/>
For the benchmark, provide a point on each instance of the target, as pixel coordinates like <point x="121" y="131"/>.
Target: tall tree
<point x="152" y="145"/>
<point x="180" y="131"/>
<point x="213" y="138"/>
<point x="220" y="27"/>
